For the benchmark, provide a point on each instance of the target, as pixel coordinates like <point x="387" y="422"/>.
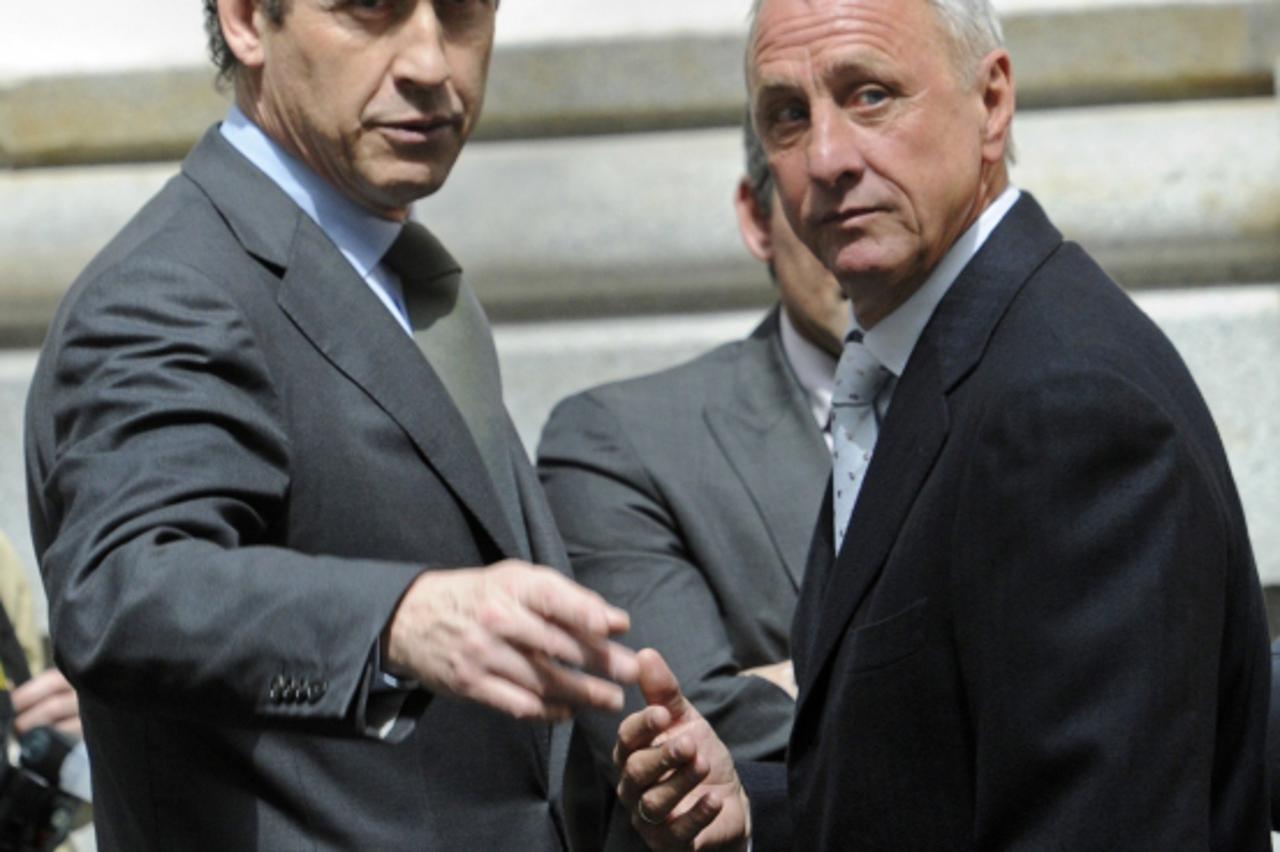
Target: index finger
<point x="639" y="730"/>
<point x="574" y="607"/>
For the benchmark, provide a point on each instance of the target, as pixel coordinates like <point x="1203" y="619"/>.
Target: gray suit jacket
<point x="689" y="497"/>
<point x="237" y="463"/>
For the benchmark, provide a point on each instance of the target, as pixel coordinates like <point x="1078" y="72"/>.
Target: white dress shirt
<point x="895" y="337"/>
<point x="815" y="369"/>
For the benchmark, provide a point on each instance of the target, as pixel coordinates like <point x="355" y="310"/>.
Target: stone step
<point x="1186" y="192"/>
<point x="1086" y="53"/>
<point x="1226" y="334"/>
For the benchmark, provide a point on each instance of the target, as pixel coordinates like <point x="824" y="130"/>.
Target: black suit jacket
<point x="1045" y="631"/>
<point x="238" y="461"/>
<point x="688" y="497"/>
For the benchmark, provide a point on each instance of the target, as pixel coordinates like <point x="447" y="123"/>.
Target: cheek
<point x="470" y="74"/>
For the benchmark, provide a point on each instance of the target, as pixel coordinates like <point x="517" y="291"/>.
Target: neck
<point x="872" y="304"/>
<point x="249" y="102"/>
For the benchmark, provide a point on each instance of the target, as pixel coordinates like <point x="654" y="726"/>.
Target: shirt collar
<point x="813" y="366"/>
<point x="894" y="337"/>
<point x="362" y="237"/>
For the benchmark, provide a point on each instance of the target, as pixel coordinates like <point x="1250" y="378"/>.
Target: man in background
<point x="47" y="698"/>
<point x="35" y="695"/>
<point x="288" y="535"/>
<point x="689" y="497"/>
<point x="1030" y="617"/>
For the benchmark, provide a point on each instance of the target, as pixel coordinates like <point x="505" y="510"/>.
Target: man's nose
<point x="834" y="150"/>
<point x="420" y="51"/>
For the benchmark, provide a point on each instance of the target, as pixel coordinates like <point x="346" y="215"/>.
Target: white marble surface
<point x="89" y="35"/>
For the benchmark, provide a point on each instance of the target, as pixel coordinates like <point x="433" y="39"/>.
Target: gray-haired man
<point x="1043" y="629"/>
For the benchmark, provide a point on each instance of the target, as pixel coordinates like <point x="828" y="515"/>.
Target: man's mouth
<point x="420" y="131"/>
<point x="850" y="216"/>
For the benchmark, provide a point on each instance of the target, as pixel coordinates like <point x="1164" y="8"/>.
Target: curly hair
<point x="223" y="59"/>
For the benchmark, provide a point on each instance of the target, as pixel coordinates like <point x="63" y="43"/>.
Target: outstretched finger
<point x="661" y="800"/>
<point x="575" y="688"/>
<point x="518" y="702"/>
<point x="534" y="635"/>
<point x="651" y="773"/>
<point x="659" y="685"/>
<point x="519" y="626"/>
<point x="683" y="829"/>
<point x="580" y="611"/>
<point x="639" y="730"/>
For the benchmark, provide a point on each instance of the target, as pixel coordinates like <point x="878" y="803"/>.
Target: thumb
<point x="659" y="686"/>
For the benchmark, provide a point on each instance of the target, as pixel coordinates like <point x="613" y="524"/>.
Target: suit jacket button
<point x="316" y="690"/>
<point x="274" y="694"/>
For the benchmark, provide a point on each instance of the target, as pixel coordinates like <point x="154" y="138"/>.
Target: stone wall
<point x="604" y="167"/>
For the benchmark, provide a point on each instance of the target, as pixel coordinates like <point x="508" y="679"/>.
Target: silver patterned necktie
<point x="451" y="330"/>
<point x="860" y="381"/>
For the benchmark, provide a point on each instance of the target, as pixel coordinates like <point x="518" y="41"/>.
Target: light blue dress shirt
<point x="362" y="237"/>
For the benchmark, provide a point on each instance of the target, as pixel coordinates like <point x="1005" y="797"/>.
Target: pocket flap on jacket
<point x="889" y="639"/>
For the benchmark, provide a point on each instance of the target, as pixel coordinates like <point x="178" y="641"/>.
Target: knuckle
<point x="492" y="617"/>
<point x="464" y="681"/>
<point x="473" y="645"/>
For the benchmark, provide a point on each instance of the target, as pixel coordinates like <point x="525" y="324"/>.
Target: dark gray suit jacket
<point x="237" y="463"/>
<point x="689" y="498"/>
<point x="1045" y="630"/>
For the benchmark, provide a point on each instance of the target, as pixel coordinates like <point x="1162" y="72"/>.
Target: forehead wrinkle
<point x="850" y="34"/>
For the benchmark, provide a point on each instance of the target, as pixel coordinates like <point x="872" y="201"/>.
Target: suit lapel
<point x="773" y="444"/>
<point x="342" y="318"/>
<point x="914" y="432"/>
<point x="545" y="544"/>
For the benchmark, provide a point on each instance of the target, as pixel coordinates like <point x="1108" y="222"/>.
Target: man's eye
<point x="790" y="114"/>
<point x="785" y="117"/>
<point x="781" y="122"/>
<point x="870" y="96"/>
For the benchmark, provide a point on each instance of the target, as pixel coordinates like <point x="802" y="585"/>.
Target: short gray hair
<point x="757" y="164"/>
<point x="973" y="25"/>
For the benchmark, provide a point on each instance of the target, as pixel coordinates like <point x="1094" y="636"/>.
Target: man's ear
<point x="753" y="222"/>
<point x="999" y="98"/>
<point x="242" y="22"/>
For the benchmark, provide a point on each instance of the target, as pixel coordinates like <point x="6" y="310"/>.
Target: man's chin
<point x="400" y="192"/>
<point x="864" y="263"/>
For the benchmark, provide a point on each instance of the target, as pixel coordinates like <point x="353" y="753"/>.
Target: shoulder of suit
<point x="1072" y="310"/>
<point x="687" y="385"/>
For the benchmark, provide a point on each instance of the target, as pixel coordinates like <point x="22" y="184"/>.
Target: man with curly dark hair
<point x="298" y="566"/>
<point x="221" y="54"/>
